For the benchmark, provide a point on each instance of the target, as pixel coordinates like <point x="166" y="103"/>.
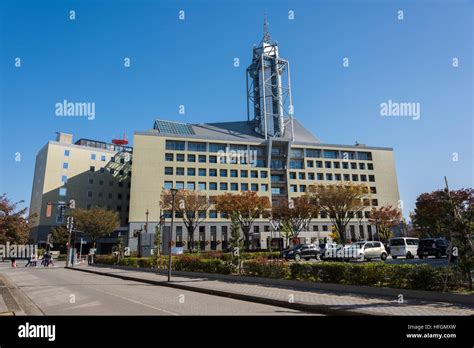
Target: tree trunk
<point x="246" y="231"/>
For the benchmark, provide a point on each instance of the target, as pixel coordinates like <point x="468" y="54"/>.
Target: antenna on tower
<point x="266" y="34"/>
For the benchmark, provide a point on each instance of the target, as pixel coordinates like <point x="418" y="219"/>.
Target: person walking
<point x="34" y="259"/>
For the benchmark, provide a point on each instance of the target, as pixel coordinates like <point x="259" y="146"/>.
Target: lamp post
<point x="173" y="195"/>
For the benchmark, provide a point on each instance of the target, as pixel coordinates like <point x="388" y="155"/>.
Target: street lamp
<point x="173" y="195"/>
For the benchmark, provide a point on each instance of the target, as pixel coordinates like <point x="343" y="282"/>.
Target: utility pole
<point x="70" y="224"/>
<point x="173" y="194"/>
<point x="450" y="247"/>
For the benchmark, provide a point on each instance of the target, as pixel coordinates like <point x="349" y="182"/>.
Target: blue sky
<point x="190" y="63"/>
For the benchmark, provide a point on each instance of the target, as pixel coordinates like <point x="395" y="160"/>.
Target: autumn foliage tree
<point x="245" y="207"/>
<point x="297" y="213"/>
<point x="341" y="202"/>
<point x="385" y="218"/>
<point x="14" y="223"/>
<point x="191" y="206"/>
<point x="95" y="223"/>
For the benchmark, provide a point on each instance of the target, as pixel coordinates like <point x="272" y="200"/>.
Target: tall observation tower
<point x="269" y="89"/>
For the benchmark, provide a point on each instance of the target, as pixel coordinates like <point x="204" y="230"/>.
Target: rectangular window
<point x="293" y="175"/>
<point x="91" y="181"/>
<point x="213" y="147"/>
<point x="179" y="171"/>
<point x="180" y="157"/>
<point x="102" y="158"/>
<point x="319" y="176"/>
<point x="264" y="187"/>
<point x="337" y="177"/>
<point x="213" y="186"/>
<point x="310" y="164"/>
<point x="275" y="190"/>
<point x="373" y="189"/>
<point x="347" y="177"/>
<point x="174" y="145"/>
<point x="296" y="153"/>
<point x="93" y="156"/>
<point x="244" y="187"/>
<point x="202" y="171"/>
<point x="223" y="173"/>
<point x="293" y="188"/>
<point x="327" y="164"/>
<point x="212" y="172"/>
<point x="363" y="178"/>
<point x="66" y="153"/>
<point x="328" y="176"/>
<point x="355" y="177"/>
<point x="345" y="165"/>
<point x="62" y="191"/>
<point x="195" y="146"/>
<point x="244" y="174"/>
<point x="191" y="158"/>
<point x="92" y="169"/>
<point x="168" y="185"/>
<point x="253" y="174"/>
<point x="353" y="165"/>
<point x="319" y="164"/>
<point x="301" y="176"/>
<point x="89" y="193"/>
<point x="254" y="187"/>
<point x="364" y="156"/>
<point x="310" y="176"/>
<point x="180" y="185"/>
<point x="337" y="165"/>
<point x="168" y="170"/>
<point x="213" y="214"/>
<point x="212" y="159"/>
<point x="234" y="173"/>
<point x="362" y="166"/>
<point x="330" y="154"/>
<point x="191" y="185"/>
<point x="371" y="178"/>
<point x="375" y="202"/>
<point x="169" y="157"/>
<point x="65" y="165"/>
<point x="202" y="186"/>
<point x="234" y="186"/>
<point x="302" y="188"/>
<point x="202" y="158"/>
<point x="263" y="174"/>
<point x="296" y="164"/>
<point x="64" y="178"/>
<point x="191" y="172"/>
<point x="313" y="153"/>
<point x="223" y="186"/>
<point x="370" y="166"/>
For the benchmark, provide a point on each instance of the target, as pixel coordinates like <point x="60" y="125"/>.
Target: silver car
<point x="365" y="251"/>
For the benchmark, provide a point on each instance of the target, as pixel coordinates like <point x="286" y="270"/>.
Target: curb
<point x="316" y="309"/>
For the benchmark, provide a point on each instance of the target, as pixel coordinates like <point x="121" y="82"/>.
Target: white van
<point x="403" y="246"/>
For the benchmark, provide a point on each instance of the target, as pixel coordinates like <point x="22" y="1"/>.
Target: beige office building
<point x="92" y="173"/>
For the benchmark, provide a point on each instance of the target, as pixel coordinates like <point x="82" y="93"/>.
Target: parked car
<point x="365" y="251"/>
<point x="302" y="251"/>
<point x="404" y="246"/>
<point x="432" y="247"/>
<point x="327" y="250"/>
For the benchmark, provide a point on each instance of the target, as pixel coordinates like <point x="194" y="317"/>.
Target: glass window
<point x="202" y="158"/>
<point x="253" y="174"/>
<point x="213" y="147"/>
<point x="263" y="174"/>
<point x="234" y="186"/>
<point x="370" y="166"/>
<point x="180" y="185"/>
<point x="179" y="171"/>
<point x="293" y="188"/>
<point x="361" y="166"/>
<point x="191" y="158"/>
<point x="213" y="214"/>
<point x="92" y="168"/>
<point x="264" y="187"/>
<point x="302" y="188"/>
<point x="195" y="146"/>
<point x="353" y="165"/>
<point x="202" y="186"/>
<point x="313" y="153"/>
<point x="223" y="186"/>
<point x="62" y="191"/>
<point x="327" y="164"/>
<point x="168" y="185"/>
<point x="337" y="165"/>
<point x="275" y="190"/>
<point x="168" y="170"/>
<point x="301" y="176"/>
<point x="174" y="145"/>
<point x="212" y="159"/>
<point x="293" y="175"/>
<point x="233" y="173"/>
<point x="296" y="164"/>
<point x="92" y="156"/>
<point x="223" y="173"/>
<point x="330" y="154"/>
<point x="66" y="153"/>
<point x="364" y="156"/>
<point x="244" y="174"/>
<point x="328" y="176"/>
<point x="348" y="155"/>
<point x="310" y="164"/>
<point x="310" y="176"/>
<point x="338" y="177"/>
<point x="355" y="177"/>
<point x="213" y="186"/>
<point x="244" y="187"/>
<point x="319" y="176"/>
<point x="180" y="157"/>
<point x="65" y="165"/>
<point x="191" y="185"/>
<point x="345" y="165"/>
<point x="191" y="171"/>
<point x="319" y="164"/>
<point x="212" y="172"/>
<point x="373" y="189"/>
<point x="102" y="158"/>
<point x="363" y="178"/>
<point x="296" y="153"/>
<point x="371" y="178"/>
<point x="169" y="157"/>
<point x="254" y="187"/>
<point x="202" y="171"/>
<point x="89" y="193"/>
<point x="64" y="178"/>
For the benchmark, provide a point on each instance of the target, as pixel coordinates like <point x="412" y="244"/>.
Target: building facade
<point x="92" y="173"/>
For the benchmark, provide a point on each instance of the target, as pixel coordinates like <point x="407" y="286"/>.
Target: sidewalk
<point x="316" y="301"/>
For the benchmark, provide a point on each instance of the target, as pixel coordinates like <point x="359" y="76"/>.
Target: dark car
<point x="302" y="251"/>
<point x="432" y="247"/>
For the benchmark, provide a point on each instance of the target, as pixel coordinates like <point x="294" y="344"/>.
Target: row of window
<point x="233" y="173"/>
<point x="102" y="170"/>
<point x="103" y="158"/>
<point x="334" y="164"/>
<point x="328" y="176"/>
<point x="213" y="186"/>
<point x="295" y="152"/>
<point x="244" y="159"/>
<point x="63" y="193"/>
<point x="64" y="180"/>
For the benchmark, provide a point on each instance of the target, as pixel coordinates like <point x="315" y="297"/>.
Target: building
<point x="92" y="173"/>
<point x="270" y="153"/>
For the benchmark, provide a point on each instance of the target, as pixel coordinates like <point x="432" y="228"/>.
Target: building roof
<point x="231" y="131"/>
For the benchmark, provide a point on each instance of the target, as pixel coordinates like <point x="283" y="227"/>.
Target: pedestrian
<point x="34" y="259"/>
<point x="51" y="259"/>
<point x="29" y="262"/>
<point x="13" y="259"/>
<point x="89" y="258"/>
<point x="45" y="259"/>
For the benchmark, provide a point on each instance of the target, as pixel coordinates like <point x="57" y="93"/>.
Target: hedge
<point x="198" y="264"/>
<point x="262" y="267"/>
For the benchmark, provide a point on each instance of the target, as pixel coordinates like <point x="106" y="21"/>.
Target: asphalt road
<point x="58" y="291"/>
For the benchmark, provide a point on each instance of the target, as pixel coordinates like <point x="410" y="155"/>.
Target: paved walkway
<point x="329" y="302"/>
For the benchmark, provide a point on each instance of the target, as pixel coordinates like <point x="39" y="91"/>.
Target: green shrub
<point x="198" y="264"/>
<point x="261" y="267"/>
